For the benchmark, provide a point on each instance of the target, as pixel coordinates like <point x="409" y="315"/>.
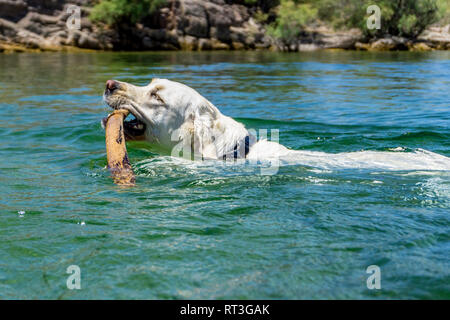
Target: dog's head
<point x="162" y="106"/>
<point x="171" y="112"/>
<point x="156" y="103"/>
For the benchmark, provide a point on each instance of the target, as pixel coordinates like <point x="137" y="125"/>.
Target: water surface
<point x="190" y="230"/>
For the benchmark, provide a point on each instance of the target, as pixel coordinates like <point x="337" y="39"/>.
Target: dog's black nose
<point x="111" y="85"/>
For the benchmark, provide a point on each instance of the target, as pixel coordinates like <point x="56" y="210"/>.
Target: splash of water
<point x="381" y="160"/>
<point x="396" y="160"/>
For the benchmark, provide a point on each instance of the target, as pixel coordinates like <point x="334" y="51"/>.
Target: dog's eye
<point x="155" y="96"/>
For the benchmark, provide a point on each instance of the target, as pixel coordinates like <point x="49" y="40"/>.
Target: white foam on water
<point x="269" y="154"/>
<point x="397" y="160"/>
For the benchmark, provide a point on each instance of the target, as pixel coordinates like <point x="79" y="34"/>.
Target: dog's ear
<point x="211" y="133"/>
<point x="202" y="119"/>
<point x="195" y="136"/>
<point x="227" y="133"/>
<point x="214" y="133"/>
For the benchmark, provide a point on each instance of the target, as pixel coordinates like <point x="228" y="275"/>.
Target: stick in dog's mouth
<point x="116" y="150"/>
<point x="134" y="129"/>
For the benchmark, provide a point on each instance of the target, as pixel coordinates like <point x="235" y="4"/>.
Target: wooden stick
<point x="116" y="149"/>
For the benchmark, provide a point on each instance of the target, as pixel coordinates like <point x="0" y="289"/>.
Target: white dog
<point x="175" y="117"/>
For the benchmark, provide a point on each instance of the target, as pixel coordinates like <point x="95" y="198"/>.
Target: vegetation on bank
<point x="114" y="12"/>
<point x="406" y="18"/>
<point x="285" y="19"/>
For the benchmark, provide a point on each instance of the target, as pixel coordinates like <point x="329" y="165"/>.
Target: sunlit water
<point x="369" y="185"/>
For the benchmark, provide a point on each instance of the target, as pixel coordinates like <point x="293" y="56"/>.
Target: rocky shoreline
<point x="30" y="25"/>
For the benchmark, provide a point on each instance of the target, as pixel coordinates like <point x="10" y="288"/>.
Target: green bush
<point x="444" y="11"/>
<point x="127" y="11"/>
<point x="291" y="18"/>
<point x="341" y="13"/>
<point x="405" y="18"/>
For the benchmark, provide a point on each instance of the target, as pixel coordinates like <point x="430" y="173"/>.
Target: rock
<point x="384" y="44"/>
<point x="193" y="18"/>
<point x="204" y="44"/>
<point x="221" y="2"/>
<point x="42" y="26"/>
<point x="238" y="34"/>
<point x="148" y="43"/>
<point x="86" y="23"/>
<point x="401" y="43"/>
<point x="432" y="38"/>
<point x="218" y="45"/>
<point x="362" y="46"/>
<point x="188" y="43"/>
<point x="317" y="37"/>
<point x="48" y="31"/>
<point x="13" y="10"/>
<point x="263" y="45"/>
<point x="420" y="46"/>
<point x="341" y="39"/>
<point x="8" y="29"/>
<point x="16" y="35"/>
<point x="57" y="39"/>
<point x="237" y="45"/>
<point x="307" y="47"/>
<point x="88" y="42"/>
<point x="437" y="37"/>
<point x="219" y="21"/>
<point x="222" y="23"/>
<point x="180" y="24"/>
<point x="77" y="38"/>
<point x="390" y="43"/>
<point x="240" y="14"/>
<point x="8" y="47"/>
<point x="72" y="38"/>
<point x="107" y="38"/>
<point x="155" y="34"/>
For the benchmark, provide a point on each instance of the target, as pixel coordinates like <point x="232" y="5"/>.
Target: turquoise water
<point x="193" y="230"/>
